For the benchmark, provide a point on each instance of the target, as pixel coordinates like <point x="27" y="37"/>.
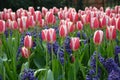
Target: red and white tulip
<point x="25" y="52"/>
<point x="28" y="43"/>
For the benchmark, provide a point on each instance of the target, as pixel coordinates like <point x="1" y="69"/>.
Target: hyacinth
<point x="79" y="34"/>
<point x="55" y="47"/>
<point x="114" y="75"/>
<point x="67" y="45"/>
<point x="61" y="55"/>
<point x="28" y="74"/>
<point x="92" y="72"/>
<point x="49" y="47"/>
<point x="117" y="51"/>
<point x="111" y="65"/>
<point x="8" y="33"/>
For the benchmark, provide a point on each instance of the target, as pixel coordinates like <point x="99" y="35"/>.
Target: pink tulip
<point x="74" y="43"/>
<point x="63" y="30"/>
<point x="28" y="41"/>
<point x="37" y="16"/>
<point x="113" y="21"/>
<point x="44" y="34"/>
<point x="25" y="52"/>
<point x="44" y="11"/>
<point x="2" y="15"/>
<point x="41" y="23"/>
<point x="50" y="18"/>
<point x="118" y="24"/>
<point x="31" y="22"/>
<point x="111" y="33"/>
<point x="2" y="26"/>
<point x="14" y="25"/>
<point x="32" y="10"/>
<point x="70" y="26"/>
<point x="60" y="15"/>
<point x="103" y="22"/>
<point x="8" y="24"/>
<point x="24" y="23"/>
<point x="98" y="37"/>
<point x="13" y="16"/>
<point x="51" y="35"/>
<point x="79" y="25"/>
<point x="94" y="23"/>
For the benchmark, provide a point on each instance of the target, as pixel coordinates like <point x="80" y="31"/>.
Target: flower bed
<point x="60" y="44"/>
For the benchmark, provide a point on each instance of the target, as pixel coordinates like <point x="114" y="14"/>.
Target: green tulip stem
<point x="46" y="56"/>
<point x="96" y="60"/>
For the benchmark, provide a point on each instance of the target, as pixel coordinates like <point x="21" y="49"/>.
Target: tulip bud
<point x="94" y="23"/>
<point x="41" y="23"/>
<point x="111" y="33"/>
<point x="44" y="11"/>
<point x="50" y="18"/>
<point x="103" y="22"/>
<point x="74" y="43"/>
<point x="2" y="26"/>
<point x="37" y="16"/>
<point x="31" y="22"/>
<point x="28" y="41"/>
<point x="25" y="52"/>
<point x="70" y="26"/>
<point x="79" y="25"/>
<point x="24" y="22"/>
<point x="118" y="24"/>
<point x="8" y="24"/>
<point x="60" y="15"/>
<point x="13" y="16"/>
<point x="98" y="37"/>
<point x="31" y="9"/>
<point x="44" y="34"/>
<point x="14" y="25"/>
<point x="51" y="35"/>
<point x="63" y="30"/>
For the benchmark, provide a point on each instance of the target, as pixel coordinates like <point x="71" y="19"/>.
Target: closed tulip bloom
<point x="60" y="15"/>
<point x="13" y="16"/>
<point x="37" y="16"/>
<point x="98" y="37"/>
<point x="74" y="43"/>
<point x="113" y="21"/>
<point x="111" y="33"/>
<point x="32" y="10"/>
<point x="50" y="18"/>
<point x="24" y="22"/>
<point x="74" y="16"/>
<point x="70" y="26"/>
<point x="103" y="22"/>
<point x="63" y="30"/>
<point x="28" y="41"/>
<point x="51" y="35"/>
<point x="14" y="25"/>
<point x="94" y="23"/>
<point x="44" y="34"/>
<point x="25" y="52"/>
<point x="8" y="24"/>
<point x="2" y="26"/>
<point x="31" y="21"/>
<point x="44" y="11"/>
<point x="79" y="25"/>
<point x="118" y="24"/>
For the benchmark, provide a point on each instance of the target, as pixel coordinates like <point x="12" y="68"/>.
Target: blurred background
<point x="78" y="4"/>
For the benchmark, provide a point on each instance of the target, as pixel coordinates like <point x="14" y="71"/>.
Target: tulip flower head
<point x="111" y="33"/>
<point x="63" y="30"/>
<point x="25" y="52"/>
<point x="74" y="43"/>
<point x="98" y="37"/>
<point x="2" y="26"/>
<point x="51" y="35"/>
<point x="28" y="41"/>
<point x="44" y="34"/>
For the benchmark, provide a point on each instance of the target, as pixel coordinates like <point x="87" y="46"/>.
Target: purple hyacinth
<point x="61" y="55"/>
<point x="78" y="34"/>
<point x="111" y="65"/>
<point x="49" y="47"/>
<point x="28" y="74"/>
<point x="117" y="50"/>
<point x="67" y="45"/>
<point x="114" y="75"/>
<point x="55" y="47"/>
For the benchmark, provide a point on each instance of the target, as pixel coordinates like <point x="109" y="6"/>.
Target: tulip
<point x="13" y="16"/>
<point x="113" y="21"/>
<point x="25" y="52"/>
<point x="2" y="15"/>
<point x="41" y="22"/>
<point x="74" y="43"/>
<point x="103" y="22"/>
<point x="79" y="25"/>
<point x="37" y="16"/>
<point x="31" y="22"/>
<point x="31" y="9"/>
<point x="24" y="22"/>
<point x="118" y="24"/>
<point x="14" y="25"/>
<point x="50" y="18"/>
<point x="63" y="31"/>
<point x="44" y="11"/>
<point x="70" y="26"/>
<point x="111" y="33"/>
<point x="44" y="34"/>
<point x="8" y="23"/>
<point x="2" y="26"/>
<point x="60" y="15"/>
<point x="51" y="35"/>
<point x="28" y="41"/>
<point x="94" y="23"/>
<point x="98" y="37"/>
